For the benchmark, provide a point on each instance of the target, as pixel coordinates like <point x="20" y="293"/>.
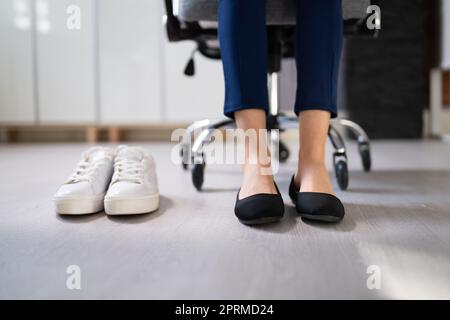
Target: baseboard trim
<point x="16" y="132"/>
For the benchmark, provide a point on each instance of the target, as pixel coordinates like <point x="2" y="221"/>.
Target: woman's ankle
<point x="312" y="175"/>
<point x="256" y="179"/>
<point x="257" y="170"/>
<point x="311" y="158"/>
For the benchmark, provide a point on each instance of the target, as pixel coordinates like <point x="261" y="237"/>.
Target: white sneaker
<point x="84" y="191"/>
<point x="134" y="186"/>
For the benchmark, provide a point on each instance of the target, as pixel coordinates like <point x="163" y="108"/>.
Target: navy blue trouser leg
<point x="243" y="45"/>
<point x="317" y="54"/>
<point x="243" y="41"/>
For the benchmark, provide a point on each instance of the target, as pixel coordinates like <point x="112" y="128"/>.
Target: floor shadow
<point x="286" y="224"/>
<point x="77" y="219"/>
<point x="164" y="204"/>
<point x="347" y="224"/>
<point x="292" y="218"/>
<point x="375" y="216"/>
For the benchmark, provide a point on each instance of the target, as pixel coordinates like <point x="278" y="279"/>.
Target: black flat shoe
<point x="315" y="205"/>
<point x="259" y="208"/>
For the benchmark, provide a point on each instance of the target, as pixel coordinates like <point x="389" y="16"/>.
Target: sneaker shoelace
<point x="128" y="170"/>
<point x="86" y="169"/>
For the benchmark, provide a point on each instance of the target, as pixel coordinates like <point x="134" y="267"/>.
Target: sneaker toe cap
<point x="128" y="189"/>
<point x="80" y="189"/>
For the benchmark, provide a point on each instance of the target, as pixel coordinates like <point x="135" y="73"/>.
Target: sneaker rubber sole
<point x="79" y="206"/>
<point x="131" y="205"/>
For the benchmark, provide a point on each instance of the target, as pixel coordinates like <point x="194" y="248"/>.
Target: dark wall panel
<point x="385" y="78"/>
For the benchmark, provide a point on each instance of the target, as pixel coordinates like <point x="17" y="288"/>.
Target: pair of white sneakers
<point x="121" y="182"/>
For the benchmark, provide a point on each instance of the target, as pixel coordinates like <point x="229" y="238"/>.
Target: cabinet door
<point x="192" y="98"/>
<point x="66" y="62"/>
<point x="16" y="62"/>
<point x="130" y="34"/>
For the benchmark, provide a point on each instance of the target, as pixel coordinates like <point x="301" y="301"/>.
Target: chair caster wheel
<point x="341" y="171"/>
<point x="366" y="157"/>
<point x="183" y="164"/>
<point x="283" y="153"/>
<point x="198" y="171"/>
<point x="183" y="155"/>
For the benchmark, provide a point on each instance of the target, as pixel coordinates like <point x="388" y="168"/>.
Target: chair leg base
<point x="199" y="134"/>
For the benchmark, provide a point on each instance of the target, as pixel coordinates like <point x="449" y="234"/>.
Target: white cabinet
<point x="191" y="98"/>
<point x="130" y="51"/>
<point x="16" y="62"/>
<point x="66" y="62"/>
<point x="117" y="68"/>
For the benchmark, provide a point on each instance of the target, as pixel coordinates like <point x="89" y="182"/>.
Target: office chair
<point x="196" y="20"/>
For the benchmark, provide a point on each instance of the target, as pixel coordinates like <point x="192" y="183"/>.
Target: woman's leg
<point x="318" y="49"/>
<point x="243" y="43"/>
<point x="256" y="157"/>
<point x="243" y="46"/>
<point x="312" y="175"/>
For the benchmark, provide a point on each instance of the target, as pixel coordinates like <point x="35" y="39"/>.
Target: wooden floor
<point x="398" y="219"/>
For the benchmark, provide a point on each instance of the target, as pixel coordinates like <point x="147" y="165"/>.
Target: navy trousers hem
<point x="330" y="108"/>
<point x="231" y="109"/>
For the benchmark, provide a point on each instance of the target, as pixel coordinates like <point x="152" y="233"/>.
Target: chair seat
<point x="279" y="12"/>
